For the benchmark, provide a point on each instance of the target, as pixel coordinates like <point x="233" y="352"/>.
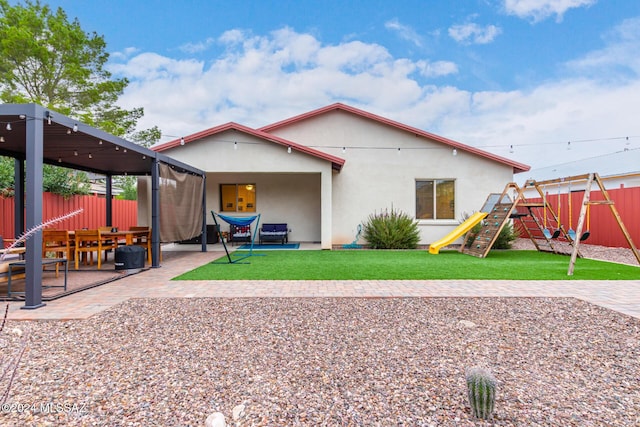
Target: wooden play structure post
<point x="586" y="203"/>
<point x="580" y="226"/>
<point x="501" y="208"/>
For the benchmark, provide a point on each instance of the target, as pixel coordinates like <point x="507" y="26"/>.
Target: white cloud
<point x="618" y="57"/>
<point x="472" y="33"/>
<point x="437" y="68"/>
<point x="197" y="47"/>
<point x="262" y="79"/>
<point x="539" y="10"/>
<point x="127" y="53"/>
<point x="539" y="123"/>
<point x="405" y="32"/>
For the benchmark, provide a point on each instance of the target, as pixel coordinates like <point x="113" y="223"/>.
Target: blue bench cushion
<point x="274" y="232"/>
<point x="274" y="228"/>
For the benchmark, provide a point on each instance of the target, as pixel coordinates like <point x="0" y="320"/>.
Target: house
<point x="325" y="171"/>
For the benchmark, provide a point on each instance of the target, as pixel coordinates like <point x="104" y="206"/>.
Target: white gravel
<point x="329" y="362"/>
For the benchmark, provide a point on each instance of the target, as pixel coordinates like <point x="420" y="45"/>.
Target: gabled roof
<point x="336" y="162"/>
<point x="517" y="167"/>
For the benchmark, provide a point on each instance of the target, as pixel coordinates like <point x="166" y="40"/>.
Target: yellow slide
<point x="458" y="232"/>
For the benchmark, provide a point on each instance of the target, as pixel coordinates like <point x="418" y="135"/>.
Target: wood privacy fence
<point x="601" y="222"/>
<point x="94" y="214"/>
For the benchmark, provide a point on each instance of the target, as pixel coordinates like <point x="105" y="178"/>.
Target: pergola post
<point x="204" y="215"/>
<point x="109" y="202"/>
<point x="34" y="149"/>
<point x="155" y="217"/>
<point x="18" y="197"/>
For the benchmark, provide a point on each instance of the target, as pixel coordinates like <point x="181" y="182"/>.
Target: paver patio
<point x="622" y="296"/>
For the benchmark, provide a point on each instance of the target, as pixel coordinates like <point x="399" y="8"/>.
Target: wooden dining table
<point x="127" y="235"/>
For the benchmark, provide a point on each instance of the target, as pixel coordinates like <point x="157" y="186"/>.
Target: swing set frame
<point x="590" y="179"/>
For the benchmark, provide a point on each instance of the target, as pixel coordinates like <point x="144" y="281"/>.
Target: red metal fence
<point x="600" y="222"/>
<point x="94" y="214"/>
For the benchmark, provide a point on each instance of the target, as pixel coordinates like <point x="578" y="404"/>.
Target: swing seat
<point x="546" y="233"/>
<point x="572" y="234"/>
<point x="585" y="236"/>
<point x="556" y="233"/>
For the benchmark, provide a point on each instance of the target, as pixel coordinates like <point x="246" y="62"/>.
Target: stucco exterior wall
<point x="378" y="176"/>
<point x="289" y="186"/>
<point x="290" y="198"/>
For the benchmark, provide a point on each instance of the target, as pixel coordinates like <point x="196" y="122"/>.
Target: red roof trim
<point x="517" y="167"/>
<point x="336" y="162"/>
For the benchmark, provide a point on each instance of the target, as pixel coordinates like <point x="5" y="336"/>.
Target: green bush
<point x="506" y="238"/>
<point x="504" y="241"/>
<point x="391" y="230"/>
<point x="471" y="234"/>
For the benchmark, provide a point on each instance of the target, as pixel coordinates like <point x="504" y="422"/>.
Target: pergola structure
<point x="34" y="135"/>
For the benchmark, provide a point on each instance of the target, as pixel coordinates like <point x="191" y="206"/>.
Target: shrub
<point x="391" y="230"/>
<point x="506" y="238"/>
<point x="471" y="234"/>
<point x="504" y="241"/>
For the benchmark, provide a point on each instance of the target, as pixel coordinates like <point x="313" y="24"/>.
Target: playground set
<point x="538" y="220"/>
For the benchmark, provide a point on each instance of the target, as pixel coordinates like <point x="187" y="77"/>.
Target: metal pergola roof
<point x="70" y="143"/>
<point x="37" y="135"/>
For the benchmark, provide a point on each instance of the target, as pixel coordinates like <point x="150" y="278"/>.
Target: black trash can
<point x="130" y="257"/>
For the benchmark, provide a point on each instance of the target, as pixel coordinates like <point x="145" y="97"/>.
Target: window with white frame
<point x="435" y="199"/>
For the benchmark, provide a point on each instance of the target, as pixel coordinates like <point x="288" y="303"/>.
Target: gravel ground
<point x="603" y="253"/>
<point x="328" y="362"/>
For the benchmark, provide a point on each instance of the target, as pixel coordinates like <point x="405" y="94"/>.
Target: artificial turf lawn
<point x="407" y="265"/>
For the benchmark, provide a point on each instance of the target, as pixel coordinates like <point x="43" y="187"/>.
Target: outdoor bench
<point x="13" y="270"/>
<point x="274" y="233"/>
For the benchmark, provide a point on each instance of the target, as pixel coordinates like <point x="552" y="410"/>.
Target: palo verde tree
<point x="51" y="61"/>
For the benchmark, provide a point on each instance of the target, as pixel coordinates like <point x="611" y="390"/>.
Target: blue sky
<point x="519" y="78"/>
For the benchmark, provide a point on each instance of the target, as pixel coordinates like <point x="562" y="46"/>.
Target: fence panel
<point x="94" y="214"/>
<point x="6" y="218"/>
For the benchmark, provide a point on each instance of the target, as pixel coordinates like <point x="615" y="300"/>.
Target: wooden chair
<point x="90" y="241"/>
<point x="107" y="229"/>
<point x="58" y="243"/>
<point x="143" y="240"/>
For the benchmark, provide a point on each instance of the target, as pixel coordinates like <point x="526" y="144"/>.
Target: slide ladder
<point x="499" y="211"/>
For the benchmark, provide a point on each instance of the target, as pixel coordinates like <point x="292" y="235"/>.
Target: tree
<point x="63" y="181"/>
<point x="6" y="177"/>
<point x="129" y="184"/>
<point x="48" y="60"/>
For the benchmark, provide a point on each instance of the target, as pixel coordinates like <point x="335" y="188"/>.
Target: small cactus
<point x="481" y="390"/>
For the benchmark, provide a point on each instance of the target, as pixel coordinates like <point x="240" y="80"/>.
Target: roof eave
<point x="336" y="162"/>
<point x="517" y="167"/>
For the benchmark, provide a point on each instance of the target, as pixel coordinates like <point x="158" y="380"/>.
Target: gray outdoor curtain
<point x="180" y="205"/>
